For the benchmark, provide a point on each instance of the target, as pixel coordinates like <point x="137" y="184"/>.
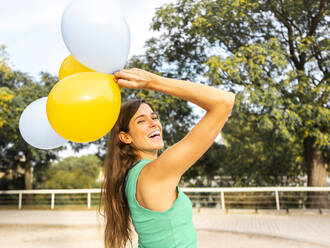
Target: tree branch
<point x="316" y="19"/>
<point x="283" y="20"/>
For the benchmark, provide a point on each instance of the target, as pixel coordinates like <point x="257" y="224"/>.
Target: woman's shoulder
<point x="136" y="168"/>
<point x="141" y="162"/>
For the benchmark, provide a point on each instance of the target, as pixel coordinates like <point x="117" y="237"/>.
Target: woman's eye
<point x="153" y="118"/>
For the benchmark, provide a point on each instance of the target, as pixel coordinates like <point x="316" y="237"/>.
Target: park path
<point x="303" y="227"/>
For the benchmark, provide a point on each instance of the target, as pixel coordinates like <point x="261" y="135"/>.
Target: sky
<point x="31" y="32"/>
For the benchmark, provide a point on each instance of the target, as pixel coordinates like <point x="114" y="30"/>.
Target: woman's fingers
<point x="127" y="84"/>
<point x="133" y="78"/>
<point x="132" y="71"/>
<point x="127" y="76"/>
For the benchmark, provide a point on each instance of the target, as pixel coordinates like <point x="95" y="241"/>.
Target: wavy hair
<point x="118" y="160"/>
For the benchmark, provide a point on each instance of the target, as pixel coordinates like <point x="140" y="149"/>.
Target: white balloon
<point x="35" y="127"/>
<point x="97" y="34"/>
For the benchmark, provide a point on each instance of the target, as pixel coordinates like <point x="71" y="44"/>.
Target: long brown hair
<point x="118" y="160"/>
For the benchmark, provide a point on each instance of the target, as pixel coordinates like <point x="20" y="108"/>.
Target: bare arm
<point x="208" y="98"/>
<point x="177" y="159"/>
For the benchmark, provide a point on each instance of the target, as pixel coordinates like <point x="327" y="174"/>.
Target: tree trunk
<point x="28" y="181"/>
<point x="317" y="174"/>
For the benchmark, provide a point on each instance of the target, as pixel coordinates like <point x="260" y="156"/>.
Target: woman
<point x="143" y="187"/>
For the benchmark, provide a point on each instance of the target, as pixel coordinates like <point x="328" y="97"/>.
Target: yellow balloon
<point x="71" y="66"/>
<point x="84" y="107"/>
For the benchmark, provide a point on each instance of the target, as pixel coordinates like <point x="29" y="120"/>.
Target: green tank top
<point x="167" y="229"/>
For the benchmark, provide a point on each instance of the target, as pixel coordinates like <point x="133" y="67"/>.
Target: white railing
<point x="256" y="199"/>
<point x="224" y="198"/>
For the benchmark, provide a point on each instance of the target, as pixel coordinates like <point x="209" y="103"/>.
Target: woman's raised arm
<point x="177" y="159"/>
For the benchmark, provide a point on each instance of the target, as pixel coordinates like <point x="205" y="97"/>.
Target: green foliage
<point x="6" y="97"/>
<point x="73" y="173"/>
<point x="275" y="56"/>
<point x="258" y="153"/>
<point x="17" y="90"/>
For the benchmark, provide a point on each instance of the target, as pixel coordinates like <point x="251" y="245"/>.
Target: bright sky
<point x="31" y="31"/>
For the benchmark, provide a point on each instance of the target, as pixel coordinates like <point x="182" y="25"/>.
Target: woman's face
<point x="145" y="130"/>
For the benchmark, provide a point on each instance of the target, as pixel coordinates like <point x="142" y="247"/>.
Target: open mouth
<point x="154" y="134"/>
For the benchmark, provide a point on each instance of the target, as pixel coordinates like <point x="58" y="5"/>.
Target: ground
<point x="215" y="229"/>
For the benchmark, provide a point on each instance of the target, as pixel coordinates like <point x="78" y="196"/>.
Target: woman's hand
<point x="135" y="78"/>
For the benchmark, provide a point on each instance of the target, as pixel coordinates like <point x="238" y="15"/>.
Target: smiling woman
<point x="144" y="132"/>
<point x="142" y="187"/>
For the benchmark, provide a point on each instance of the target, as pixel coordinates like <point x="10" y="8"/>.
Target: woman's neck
<point x="148" y="155"/>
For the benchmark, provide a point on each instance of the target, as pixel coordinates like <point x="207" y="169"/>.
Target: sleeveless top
<point x="160" y="229"/>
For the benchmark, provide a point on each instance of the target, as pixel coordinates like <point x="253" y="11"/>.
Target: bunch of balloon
<point x="85" y="104"/>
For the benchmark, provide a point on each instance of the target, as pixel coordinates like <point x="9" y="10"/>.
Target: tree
<point x="6" y="97"/>
<point x="73" y="173"/>
<point x="18" y="160"/>
<point x="274" y="54"/>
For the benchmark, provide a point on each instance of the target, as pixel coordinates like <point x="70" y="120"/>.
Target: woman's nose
<point x="152" y="122"/>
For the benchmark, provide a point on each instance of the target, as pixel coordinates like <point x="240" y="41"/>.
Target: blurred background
<point x="274" y="54"/>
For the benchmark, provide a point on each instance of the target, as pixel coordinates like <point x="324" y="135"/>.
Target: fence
<point x="222" y="198"/>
